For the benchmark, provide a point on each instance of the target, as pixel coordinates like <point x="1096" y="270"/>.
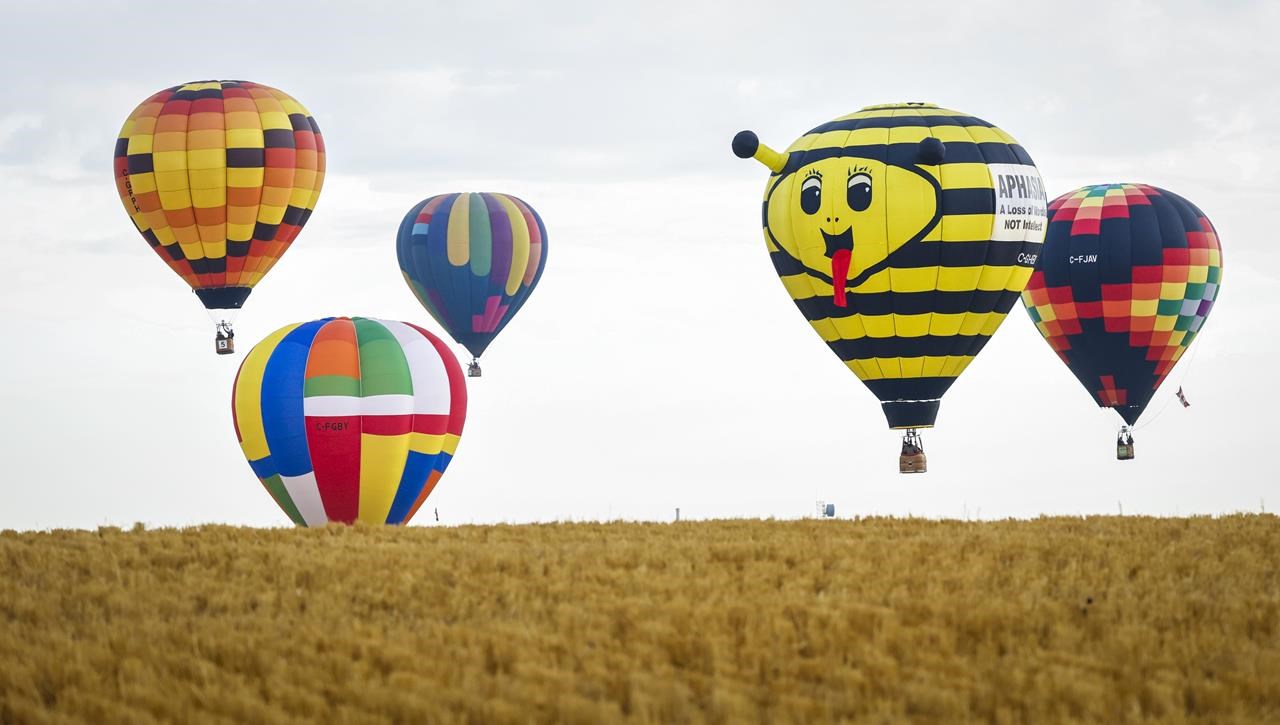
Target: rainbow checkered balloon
<point x="1125" y="280"/>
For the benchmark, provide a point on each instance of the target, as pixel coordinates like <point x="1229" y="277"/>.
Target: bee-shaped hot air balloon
<point x="219" y="177"/>
<point x="904" y="233"/>
<point x="1128" y="275"/>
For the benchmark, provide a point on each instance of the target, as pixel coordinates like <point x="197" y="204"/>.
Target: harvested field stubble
<point x="1098" y="619"/>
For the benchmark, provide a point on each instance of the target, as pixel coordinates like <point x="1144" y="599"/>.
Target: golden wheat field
<point x="882" y="620"/>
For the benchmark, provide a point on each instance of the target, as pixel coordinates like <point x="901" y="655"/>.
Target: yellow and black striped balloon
<point x="904" y="233"/>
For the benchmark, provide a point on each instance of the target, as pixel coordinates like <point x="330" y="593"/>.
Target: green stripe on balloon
<point x="481" y="236"/>
<point x="331" y="385"/>
<point x="276" y="488"/>
<point x="383" y="368"/>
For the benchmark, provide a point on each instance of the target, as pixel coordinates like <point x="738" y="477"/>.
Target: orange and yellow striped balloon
<point x="219" y="177"/>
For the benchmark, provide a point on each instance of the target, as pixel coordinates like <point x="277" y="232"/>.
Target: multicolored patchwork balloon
<point x="472" y="260"/>
<point x="219" y="177"/>
<point x="1125" y="280"/>
<point x="349" y="418"/>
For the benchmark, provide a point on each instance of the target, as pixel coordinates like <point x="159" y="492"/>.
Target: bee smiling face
<point x="838" y="219"/>
<point x="838" y="244"/>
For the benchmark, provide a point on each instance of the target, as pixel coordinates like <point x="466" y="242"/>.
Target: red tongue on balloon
<point x="840" y="274"/>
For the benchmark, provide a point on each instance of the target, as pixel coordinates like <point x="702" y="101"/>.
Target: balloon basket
<point x="225" y="341"/>
<point x="912" y="458"/>
<point x="913" y="464"/>
<point x="473" y="369"/>
<point x="1124" y="444"/>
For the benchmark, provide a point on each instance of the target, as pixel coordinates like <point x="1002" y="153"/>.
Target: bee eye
<point x="811" y="194"/>
<point x="859" y="192"/>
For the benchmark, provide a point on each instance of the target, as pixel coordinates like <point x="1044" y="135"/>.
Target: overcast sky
<point x="660" y="363"/>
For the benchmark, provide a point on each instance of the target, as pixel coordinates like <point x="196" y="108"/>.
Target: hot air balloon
<point x="472" y="260"/>
<point x="1127" y="276"/>
<point x="349" y="418"/>
<point x="219" y="177"/>
<point x="904" y="233"/>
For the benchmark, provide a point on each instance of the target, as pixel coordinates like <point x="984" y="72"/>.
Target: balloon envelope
<point x="904" y="233"/>
<point x="472" y="260"/>
<point x="1127" y="276"/>
<point x="349" y="418"/>
<point x="219" y="177"/>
